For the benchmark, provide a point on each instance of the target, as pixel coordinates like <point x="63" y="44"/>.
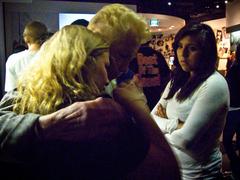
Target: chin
<point x="185" y="69"/>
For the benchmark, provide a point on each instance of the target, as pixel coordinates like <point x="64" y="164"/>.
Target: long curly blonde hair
<point x="116" y="21"/>
<point x="61" y="74"/>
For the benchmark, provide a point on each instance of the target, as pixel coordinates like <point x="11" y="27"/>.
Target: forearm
<point x="141" y="113"/>
<point x="162" y="151"/>
<point x="17" y="132"/>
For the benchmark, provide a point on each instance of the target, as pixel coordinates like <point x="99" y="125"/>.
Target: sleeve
<point x="17" y="132"/>
<point x="162" y="100"/>
<point x="166" y="125"/>
<point x="10" y="78"/>
<point x="201" y="126"/>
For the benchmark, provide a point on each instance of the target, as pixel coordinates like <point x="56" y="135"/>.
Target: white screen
<point x="68" y="18"/>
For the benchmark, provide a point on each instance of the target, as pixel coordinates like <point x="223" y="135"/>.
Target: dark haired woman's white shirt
<point x="196" y="144"/>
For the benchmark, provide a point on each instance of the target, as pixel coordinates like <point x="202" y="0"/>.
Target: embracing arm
<point x="97" y="119"/>
<point x="160" y="156"/>
<point x="17" y="132"/>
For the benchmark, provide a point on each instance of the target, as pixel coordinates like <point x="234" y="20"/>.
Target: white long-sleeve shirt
<point x="15" y="65"/>
<point x="196" y="144"/>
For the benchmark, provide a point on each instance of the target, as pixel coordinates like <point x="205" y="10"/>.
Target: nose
<point x="185" y="52"/>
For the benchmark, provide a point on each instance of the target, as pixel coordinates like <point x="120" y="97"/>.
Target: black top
<point x="233" y="79"/>
<point x="155" y="74"/>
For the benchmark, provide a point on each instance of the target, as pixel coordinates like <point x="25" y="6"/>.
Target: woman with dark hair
<point x="194" y="105"/>
<point x="233" y="118"/>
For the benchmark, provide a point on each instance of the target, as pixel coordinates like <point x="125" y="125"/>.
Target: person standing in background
<point x="194" y="105"/>
<point x="152" y="73"/>
<point x="35" y="33"/>
<point x="233" y="118"/>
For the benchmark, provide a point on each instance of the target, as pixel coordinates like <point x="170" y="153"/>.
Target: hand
<point x="180" y="124"/>
<point x="96" y="119"/>
<point x="171" y="125"/>
<point x="127" y="94"/>
<point x="137" y="80"/>
<point x="161" y="111"/>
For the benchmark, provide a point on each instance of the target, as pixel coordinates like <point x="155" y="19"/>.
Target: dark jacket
<point x="24" y="154"/>
<point x="233" y="79"/>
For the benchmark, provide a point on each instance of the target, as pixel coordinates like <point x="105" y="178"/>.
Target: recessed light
<point x="169" y="3"/>
<point x="217" y="6"/>
<point x="226" y="2"/>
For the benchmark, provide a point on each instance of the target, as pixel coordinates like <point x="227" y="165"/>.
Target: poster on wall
<point x="234" y="40"/>
<point x="223" y="43"/>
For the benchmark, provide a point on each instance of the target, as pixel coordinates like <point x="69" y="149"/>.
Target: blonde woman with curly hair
<point x="70" y="67"/>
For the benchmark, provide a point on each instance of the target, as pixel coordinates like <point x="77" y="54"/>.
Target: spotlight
<point x="169" y="3"/>
<point x="217" y="6"/>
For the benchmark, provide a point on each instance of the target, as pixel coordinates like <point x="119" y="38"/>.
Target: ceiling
<point x="167" y="24"/>
<point x="173" y="17"/>
<point x="190" y="10"/>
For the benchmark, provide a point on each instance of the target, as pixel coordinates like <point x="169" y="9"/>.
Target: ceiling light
<point x="217" y="6"/>
<point x="169" y="3"/>
<point x="226" y="2"/>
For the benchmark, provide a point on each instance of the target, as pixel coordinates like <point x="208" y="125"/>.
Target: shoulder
<point x="16" y="58"/>
<point x="216" y="80"/>
<point x="214" y="87"/>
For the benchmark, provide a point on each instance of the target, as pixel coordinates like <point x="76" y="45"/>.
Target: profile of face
<point x="188" y="53"/>
<point x="100" y="75"/>
<point x="122" y="53"/>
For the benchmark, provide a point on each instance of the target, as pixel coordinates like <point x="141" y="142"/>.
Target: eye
<point x="193" y="48"/>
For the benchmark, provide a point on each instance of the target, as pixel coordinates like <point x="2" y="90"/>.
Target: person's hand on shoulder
<point x="95" y="119"/>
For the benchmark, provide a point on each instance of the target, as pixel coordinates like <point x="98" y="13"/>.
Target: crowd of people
<point x="95" y="102"/>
